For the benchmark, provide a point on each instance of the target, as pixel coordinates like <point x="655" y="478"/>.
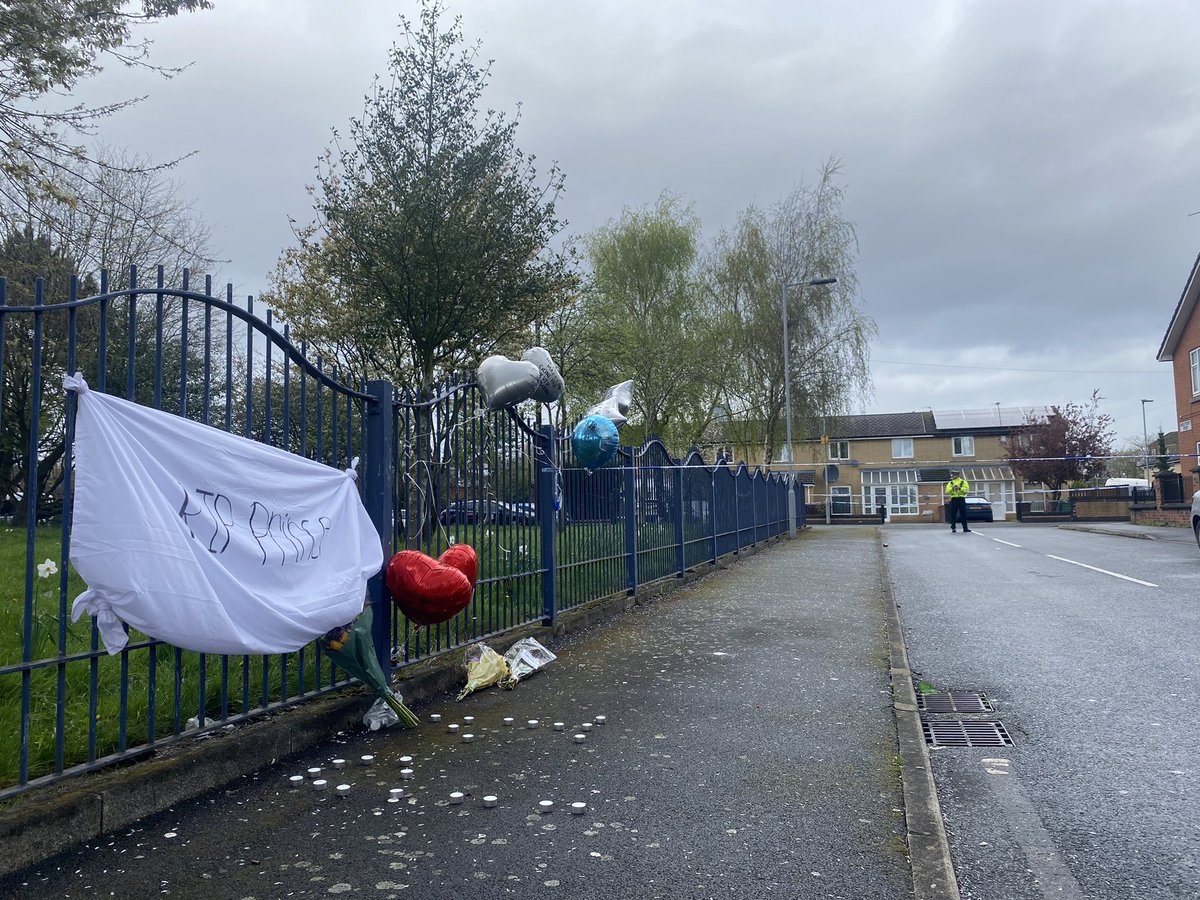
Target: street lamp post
<point x="1145" y="444"/>
<point x="787" y="391"/>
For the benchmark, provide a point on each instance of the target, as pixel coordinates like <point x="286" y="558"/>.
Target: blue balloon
<point x="594" y="441"/>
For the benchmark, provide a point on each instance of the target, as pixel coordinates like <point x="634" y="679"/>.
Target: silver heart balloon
<point x="614" y="405"/>
<point x="506" y="382"/>
<point x="550" y="381"/>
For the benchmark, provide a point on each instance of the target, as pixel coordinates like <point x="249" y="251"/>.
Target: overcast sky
<point x="1021" y="174"/>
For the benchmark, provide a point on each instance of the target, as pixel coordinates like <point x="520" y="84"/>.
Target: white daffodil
<point x="46" y="569"/>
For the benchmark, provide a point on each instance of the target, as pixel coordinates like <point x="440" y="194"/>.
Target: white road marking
<point x="1007" y="543"/>
<point x="1103" y="571"/>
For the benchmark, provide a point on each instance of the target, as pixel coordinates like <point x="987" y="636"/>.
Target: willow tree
<point x="433" y="228"/>
<point x="803" y="237"/>
<point x="645" y="314"/>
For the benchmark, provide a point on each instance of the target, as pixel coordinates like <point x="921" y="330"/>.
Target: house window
<point x="900" y="499"/>
<point x="902" y="448"/>
<point x="964" y="446"/>
<point x="839" y="449"/>
<point x="1194" y="364"/>
<point x="839" y="500"/>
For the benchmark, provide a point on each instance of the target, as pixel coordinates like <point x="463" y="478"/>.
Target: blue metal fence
<point x="436" y="469"/>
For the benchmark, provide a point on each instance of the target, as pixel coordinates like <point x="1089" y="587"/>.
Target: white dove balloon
<point x="614" y="405"/>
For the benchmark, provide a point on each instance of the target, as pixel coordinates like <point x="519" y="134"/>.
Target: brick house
<point x="903" y="460"/>
<point x="1181" y="347"/>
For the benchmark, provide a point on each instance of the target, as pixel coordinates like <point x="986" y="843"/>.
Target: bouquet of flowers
<point x="351" y="647"/>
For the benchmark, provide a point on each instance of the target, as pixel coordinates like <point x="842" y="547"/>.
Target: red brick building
<point x="1181" y="348"/>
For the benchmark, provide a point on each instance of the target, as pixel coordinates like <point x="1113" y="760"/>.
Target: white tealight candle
<point x="600" y="720"/>
<point x="396" y="793"/>
<point x="456" y="797"/>
<point x="319" y="784"/>
<point x="559" y="726"/>
<point x="339" y="764"/>
<point x="532" y="723"/>
<point x="578" y="808"/>
<point x="453" y="729"/>
<point x="580" y="738"/>
<point x="586" y="726"/>
<point x="468" y="719"/>
<point x="467" y="738"/>
<point x="435" y="717"/>
<point x="406" y="773"/>
<point x="508" y="720"/>
<point x="366" y="759"/>
<point x="314" y="772"/>
<point x="489" y="801"/>
<point x="545" y="806"/>
<point x="405" y="760"/>
<point x="343" y="790"/>
<point x="296" y="780"/>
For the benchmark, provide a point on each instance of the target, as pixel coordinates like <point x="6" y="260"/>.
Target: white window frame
<point x="1194" y="365"/>
<point x="901" y="499"/>
<point x="835" y="446"/>
<point x="838" y="492"/>
<point x="962" y="445"/>
<point x="902" y="448"/>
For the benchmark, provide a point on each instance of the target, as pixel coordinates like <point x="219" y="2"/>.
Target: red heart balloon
<point x="429" y="590"/>
<point x="463" y="558"/>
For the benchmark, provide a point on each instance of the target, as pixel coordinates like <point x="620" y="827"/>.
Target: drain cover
<point x="965" y="733"/>
<point x="953" y="701"/>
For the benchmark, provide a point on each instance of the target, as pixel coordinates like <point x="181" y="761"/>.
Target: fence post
<point x="629" y="473"/>
<point x="543" y="455"/>
<point x="712" y="513"/>
<point x="379" y="499"/>
<point x="737" y="519"/>
<point x="680" y="556"/>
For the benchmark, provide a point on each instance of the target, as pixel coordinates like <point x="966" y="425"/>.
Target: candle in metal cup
<point x="468" y="719"/>
<point x="600" y="720"/>
<point x="453" y="729"/>
<point x="339" y="764"/>
<point x="343" y="790"/>
<point x="532" y="723"/>
<point x="580" y="738"/>
<point x="435" y="717"/>
<point x="545" y="806"/>
<point x="366" y="759"/>
<point x="456" y="797"/>
<point x="586" y="726"/>
<point x="406" y="773"/>
<point x="314" y="772"/>
<point x="296" y="780"/>
<point x="559" y="726"/>
<point x="578" y="808"/>
<point x="396" y="793"/>
<point x="405" y="760"/>
<point x="319" y="784"/>
<point x="467" y="738"/>
<point x="508" y="720"/>
<point x="489" y="801"/>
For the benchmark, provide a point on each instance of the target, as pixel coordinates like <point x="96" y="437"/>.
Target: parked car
<point x="518" y="513"/>
<point x="978" y="510"/>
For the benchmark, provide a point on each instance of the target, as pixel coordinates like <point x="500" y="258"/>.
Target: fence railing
<point x="435" y="470"/>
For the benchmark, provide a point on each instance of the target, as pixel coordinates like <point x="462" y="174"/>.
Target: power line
<point x="898" y="362"/>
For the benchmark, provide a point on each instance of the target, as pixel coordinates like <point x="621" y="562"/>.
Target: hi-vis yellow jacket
<point x="957" y="487"/>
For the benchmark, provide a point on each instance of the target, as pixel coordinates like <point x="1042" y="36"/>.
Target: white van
<point x="1127" y="482"/>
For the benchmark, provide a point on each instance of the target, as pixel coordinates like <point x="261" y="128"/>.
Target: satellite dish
<point x="831" y="473"/>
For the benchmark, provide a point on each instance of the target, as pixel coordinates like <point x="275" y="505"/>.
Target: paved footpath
<point x="749" y="751"/>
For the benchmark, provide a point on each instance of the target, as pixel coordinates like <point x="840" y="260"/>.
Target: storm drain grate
<point x="965" y="733"/>
<point x="953" y="701"/>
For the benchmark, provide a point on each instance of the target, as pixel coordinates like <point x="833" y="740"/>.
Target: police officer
<point x="957" y="490"/>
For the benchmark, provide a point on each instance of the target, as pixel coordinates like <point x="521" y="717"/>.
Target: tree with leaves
<point x="646" y="320"/>
<point x="47" y="47"/>
<point x="434" y="229"/>
<point x="803" y="237"/>
<point x="1069" y="444"/>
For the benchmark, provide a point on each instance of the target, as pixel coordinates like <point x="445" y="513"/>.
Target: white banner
<point x="207" y="540"/>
